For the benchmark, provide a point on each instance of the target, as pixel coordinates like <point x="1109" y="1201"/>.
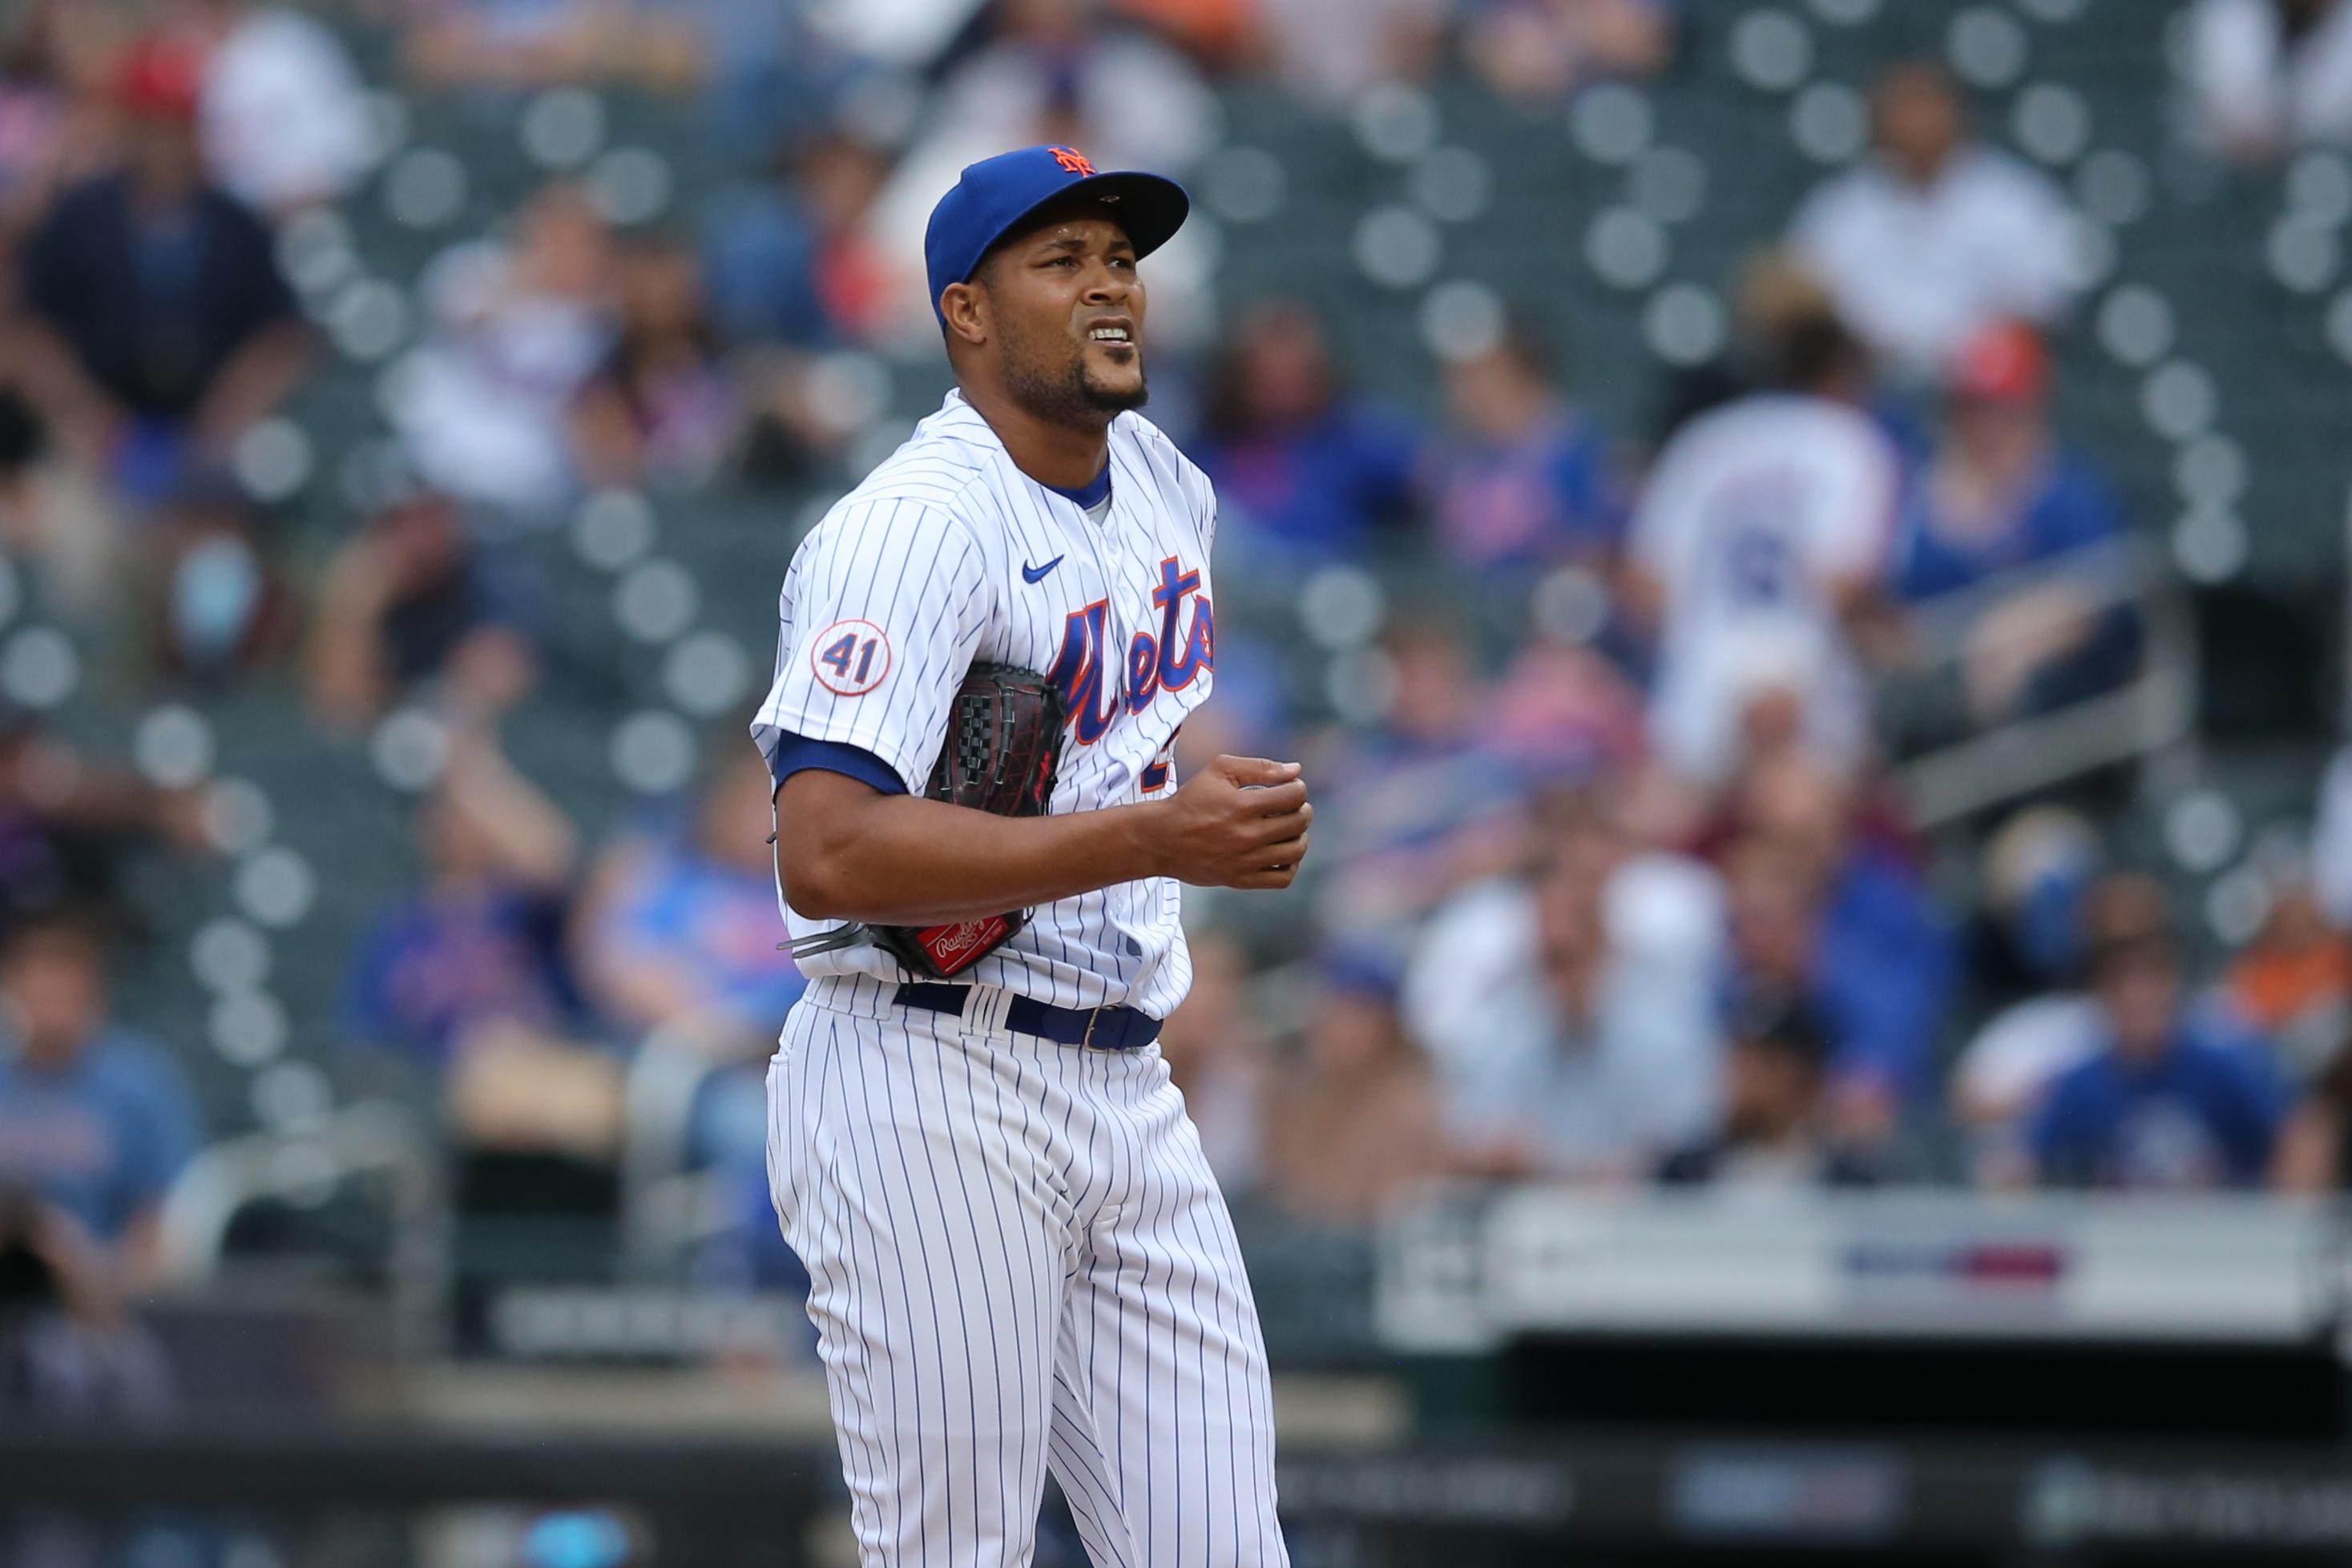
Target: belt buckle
<point x="1087" y="1041"/>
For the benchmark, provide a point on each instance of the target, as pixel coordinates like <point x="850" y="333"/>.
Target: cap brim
<point x="1150" y="207"/>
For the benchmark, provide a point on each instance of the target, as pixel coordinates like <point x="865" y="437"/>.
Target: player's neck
<point x="1066" y="456"/>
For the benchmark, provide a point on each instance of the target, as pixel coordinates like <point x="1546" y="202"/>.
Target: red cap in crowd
<point x="2006" y="363"/>
<point x="159" y="80"/>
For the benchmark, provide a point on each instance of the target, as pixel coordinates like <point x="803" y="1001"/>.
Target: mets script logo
<point x="1072" y="161"/>
<point x="1167" y="662"/>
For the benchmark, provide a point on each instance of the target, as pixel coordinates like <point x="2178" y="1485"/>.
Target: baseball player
<point x="1019" y="1258"/>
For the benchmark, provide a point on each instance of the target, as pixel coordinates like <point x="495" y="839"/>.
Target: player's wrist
<point x="1147" y="840"/>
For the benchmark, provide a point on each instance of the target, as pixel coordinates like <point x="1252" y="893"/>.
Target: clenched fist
<point x="1240" y="823"/>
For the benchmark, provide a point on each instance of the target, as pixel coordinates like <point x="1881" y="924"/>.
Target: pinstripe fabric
<point x="926" y="561"/>
<point x="1019" y="1262"/>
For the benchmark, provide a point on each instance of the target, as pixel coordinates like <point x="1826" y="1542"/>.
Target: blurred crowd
<point x="1618" y="885"/>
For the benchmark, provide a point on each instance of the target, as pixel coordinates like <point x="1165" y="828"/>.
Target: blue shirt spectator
<point x="1996" y="491"/>
<point x="1998" y="495"/>
<point x="445" y="961"/>
<point x="481" y="943"/>
<point x="94" y="1118"/>
<point x="788" y="261"/>
<point x="2063" y="504"/>
<point x="2174" y="1099"/>
<point x="1827" y="915"/>
<point x="1884" y="969"/>
<point x="682" y="927"/>
<point x="1310" y="471"/>
<point x="1865" y="953"/>
<point x="414" y="599"/>
<point x="157" y="324"/>
<point x="1525" y="480"/>
<point x="2202" y="1113"/>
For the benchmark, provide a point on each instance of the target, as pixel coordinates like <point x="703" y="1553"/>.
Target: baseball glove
<point x="1002" y="750"/>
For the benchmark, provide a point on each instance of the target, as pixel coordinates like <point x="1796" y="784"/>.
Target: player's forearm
<point x="896" y="860"/>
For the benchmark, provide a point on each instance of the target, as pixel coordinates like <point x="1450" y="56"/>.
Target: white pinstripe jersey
<point x="947" y="554"/>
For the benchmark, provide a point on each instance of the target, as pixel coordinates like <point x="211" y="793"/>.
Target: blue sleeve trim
<point x="797" y="754"/>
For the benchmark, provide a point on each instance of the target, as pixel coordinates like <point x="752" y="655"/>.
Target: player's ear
<point x="965" y="306"/>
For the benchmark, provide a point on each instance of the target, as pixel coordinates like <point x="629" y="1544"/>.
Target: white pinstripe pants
<point x="1020" y="1260"/>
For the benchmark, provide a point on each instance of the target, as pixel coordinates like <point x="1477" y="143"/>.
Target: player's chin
<point x="1117" y="385"/>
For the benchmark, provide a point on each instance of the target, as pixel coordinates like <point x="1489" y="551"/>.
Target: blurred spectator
<point x="413" y="599"/>
<point x="519" y="328"/>
<point x="1308" y="470"/>
<point x="284" y="113"/>
<point x="2005" y="1073"/>
<point x="1825" y="915"/>
<point x="1775" y="1128"/>
<point x="1779" y="947"/>
<point x="53" y="56"/>
<point x="2171" y="1098"/>
<point x="1938" y="237"/>
<point x="516" y="45"/>
<point x="676" y="938"/>
<point x="68" y="1351"/>
<point x="1572" y="1028"/>
<point x="1563" y="710"/>
<point x="1523" y="480"/>
<point x="58" y="518"/>
<point x="72" y="1354"/>
<point x="1059" y="70"/>
<point x="663" y="405"/>
<point x="789" y="261"/>
<point x="2000" y="496"/>
<point x="1354" y="1121"/>
<point x="678" y="929"/>
<point x="2294" y="981"/>
<point x="218" y="606"/>
<point x="1757" y="549"/>
<point x="157" y="325"/>
<point x="464" y="979"/>
<point x="2025" y="937"/>
<point x="2314" y="1147"/>
<point x="1544" y="48"/>
<point x="2000" y="492"/>
<point x="1329" y="52"/>
<point x="1418" y="794"/>
<point x="2267" y="76"/>
<point x="95" y="1118"/>
<point x="1220" y="1058"/>
<point x="67" y="821"/>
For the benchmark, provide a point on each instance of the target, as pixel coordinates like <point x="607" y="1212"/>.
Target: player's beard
<point x="1065" y="392"/>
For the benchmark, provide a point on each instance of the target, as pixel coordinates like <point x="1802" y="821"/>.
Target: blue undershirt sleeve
<point x="797" y="754"/>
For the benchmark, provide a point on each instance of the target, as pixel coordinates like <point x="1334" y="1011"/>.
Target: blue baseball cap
<point x="996" y="194"/>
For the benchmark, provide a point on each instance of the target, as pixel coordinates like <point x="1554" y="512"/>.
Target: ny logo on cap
<point x="1072" y="161"/>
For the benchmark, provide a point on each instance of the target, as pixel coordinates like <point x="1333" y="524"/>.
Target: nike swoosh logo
<point x="1038" y="573"/>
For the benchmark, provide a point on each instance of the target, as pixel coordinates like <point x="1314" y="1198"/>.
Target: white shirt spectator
<point x="1757" y="518"/>
<point x="284" y="113"/>
<point x="2253" y="89"/>
<point x="483" y="405"/>
<point x="2020" y="1052"/>
<point x="1917" y="270"/>
<point x="1637" y="1080"/>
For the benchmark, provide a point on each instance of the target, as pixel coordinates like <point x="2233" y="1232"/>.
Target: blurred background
<point x="1801" y="543"/>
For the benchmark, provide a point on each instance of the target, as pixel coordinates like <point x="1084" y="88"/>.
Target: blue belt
<point x="1097" y="1029"/>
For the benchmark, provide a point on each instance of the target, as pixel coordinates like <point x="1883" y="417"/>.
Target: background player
<point x="1019" y="1257"/>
